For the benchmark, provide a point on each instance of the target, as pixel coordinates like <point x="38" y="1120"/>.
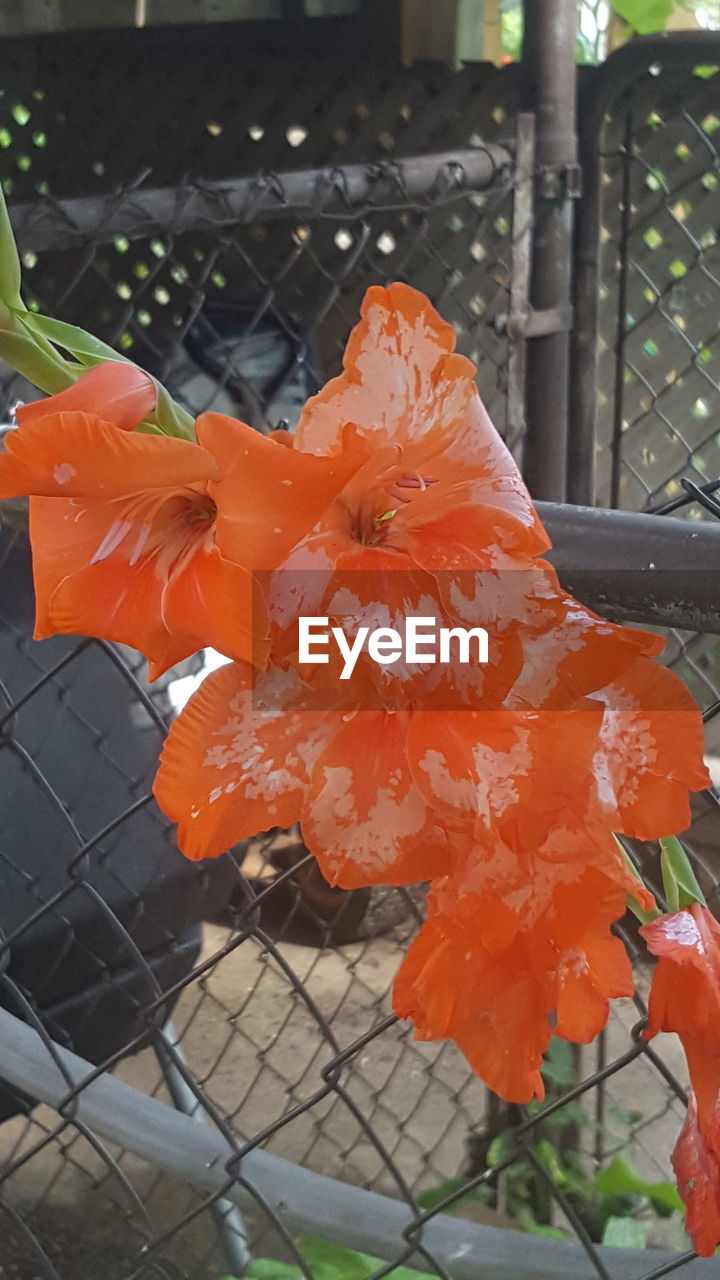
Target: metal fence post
<point x="549" y="81"/>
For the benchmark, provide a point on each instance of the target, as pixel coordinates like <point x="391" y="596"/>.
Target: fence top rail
<point x="636" y="567"/>
<point x="135" y="212"/>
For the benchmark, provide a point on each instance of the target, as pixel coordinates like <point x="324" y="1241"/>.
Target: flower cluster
<point x="502" y="783"/>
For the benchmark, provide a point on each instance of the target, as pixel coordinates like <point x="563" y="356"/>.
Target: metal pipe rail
<point x="302" y="1200"/>
<point x="638" y="568"/>
<point x="61" y="224"/>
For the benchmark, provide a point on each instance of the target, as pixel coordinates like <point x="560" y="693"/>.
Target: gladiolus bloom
<point x="501" y="781"/>
<point x="481" y="974"/>
<point x="148" y="540"/>
<point x="685" y="998"/>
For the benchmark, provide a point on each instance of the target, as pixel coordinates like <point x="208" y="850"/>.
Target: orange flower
<point x="251" y="751"/>
<point x="493" y="989"/>
<point x="685" y="998"/>
<point x="435" y="490"/>
<point x="502" y="786"/>
<point x="148" y="540"/>
<point x="436" y="522"/>
<point x="434" y="519"/>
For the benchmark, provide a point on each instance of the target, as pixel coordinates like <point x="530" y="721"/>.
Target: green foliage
<point x="624" y="1233"/>
<point x="679" y="882"/>
<point x="87" y="349"/>
<point x="620" y="1179"/>
<point x="36" y="346"/>
<point x="482" y="1194"/>
<point x="644" y="16"/>
<point x="512" y="36"/>
<point x="325" y="1261"/>
<point x="558" y="1069"/>
<point x="608" y="1202"/>
<point x="44" y="369"/>
<point x="170" y="418"/>
<point x="10" y="273"/>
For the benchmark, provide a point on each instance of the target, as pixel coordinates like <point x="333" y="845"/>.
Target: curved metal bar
<point x="304" y="1201"/>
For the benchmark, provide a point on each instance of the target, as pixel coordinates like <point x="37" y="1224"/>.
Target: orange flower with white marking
<point x="685" y="998"/>
<point x="152" y="541"/>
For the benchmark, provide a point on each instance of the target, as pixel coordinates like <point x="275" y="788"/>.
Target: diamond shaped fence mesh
<point x="239" y="1083"/>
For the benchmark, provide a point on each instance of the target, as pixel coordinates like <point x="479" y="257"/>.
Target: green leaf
<point x="170" y="417"/>
<point x="571" y="1115"/>
<point x="269" y="1269"/>
<point x="500" y="1148"/>
<point x="619" y="1178"/>
<point x="435" y="1195"/>
<point x="679" y="882"/>
<point x="640" y="914"/>
<point x="87" y="349"/>
<point x="329" y="1261"/>
<point x="558" y="1066"/>
<point x="540" y="1229"/>
<point x="561" y="1172"/>
<point x="48" y="372"/>
<point x="624" y="1233"/>
<point x="10" y="273"/>
<point x="644" y="16"/>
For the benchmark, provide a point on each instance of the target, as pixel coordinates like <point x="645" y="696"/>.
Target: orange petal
<point x="494" y="1008"/>
<point x="496" y="766"/>
<point x="66" y="455"/>
<point x="364" y="818"/>
<point x="236" y="760"/>
<point x="116" y="392"/>
<point x="685" y="992"/>
<point x="268" y="496"/>
<point x="477" y="469"/>
<point x="109" y="599"/>
<point x="220" y="602"/>
<point x="574" y="655"/>
<point x="442" y="536"/>
<point x="651" y="750"/>
<point x="697" y="1170"/>
<point x="401" y="383"/>
<point x="591" y="974"/>
<point x="379" y="588"/>
<point x="679" y="936"/>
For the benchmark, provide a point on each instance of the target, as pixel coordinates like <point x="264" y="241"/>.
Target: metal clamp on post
<point x="534" y="324"/>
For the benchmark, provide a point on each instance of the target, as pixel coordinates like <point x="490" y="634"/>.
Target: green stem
<point x="632" y="904"/>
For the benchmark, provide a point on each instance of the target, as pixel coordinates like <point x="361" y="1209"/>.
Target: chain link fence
<point x="239" y="1083"/>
